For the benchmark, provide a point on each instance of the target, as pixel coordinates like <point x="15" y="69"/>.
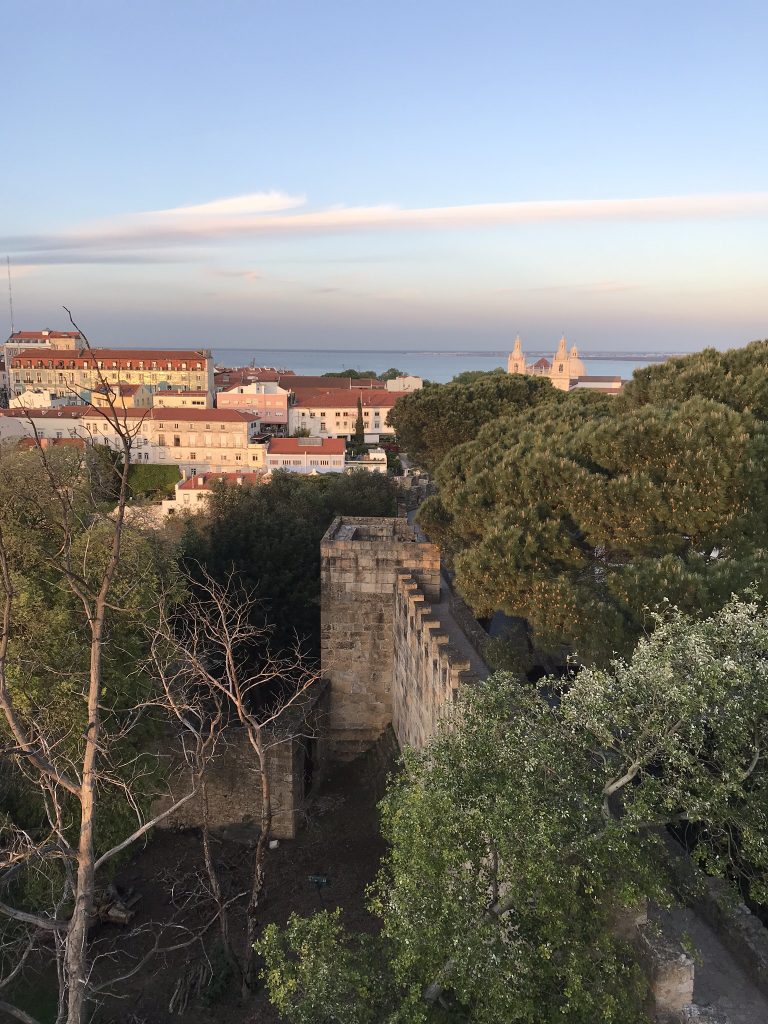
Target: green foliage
<point x="49" y="654"/>
<point x="316" y="973"/>
<point x="580" y="515"/>
<point x="394" y="465"/>
<point x="472" y="376"/>
<point x="358" y="438"/>
<point x="152" y="481"/>
<point x="271" y="536"/>
<point x="432" y="421"/>
<point x="531" y="821"/>
<point x="302" y="432"/>
<point x="104" y="467"/>
<point x="737" y="378"/>
<point x="389" y="374"/>
<point x="352" y="374"/>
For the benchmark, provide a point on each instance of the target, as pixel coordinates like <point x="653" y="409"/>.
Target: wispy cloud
<point x="265" y="214"/>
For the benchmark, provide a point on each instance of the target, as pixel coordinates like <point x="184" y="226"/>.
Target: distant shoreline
<point x="651" y="357"/>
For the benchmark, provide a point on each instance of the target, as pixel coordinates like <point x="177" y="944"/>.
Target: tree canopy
<point x="579" y="516"/>
<point x="271" y="536"/>
<point x="432" y="421"/>
<point x="737" y="377"/>
<point x="532" y="819"/>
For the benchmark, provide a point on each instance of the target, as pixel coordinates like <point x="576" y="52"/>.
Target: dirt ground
<point x="340" y="840"/>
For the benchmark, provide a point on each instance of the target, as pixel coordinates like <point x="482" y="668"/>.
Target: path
<point x="720" y="981"/>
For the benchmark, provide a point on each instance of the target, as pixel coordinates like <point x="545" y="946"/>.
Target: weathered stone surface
<point x="361" y="560"/>
<point x="233" y="780"/>
<point x="669" y="970"/>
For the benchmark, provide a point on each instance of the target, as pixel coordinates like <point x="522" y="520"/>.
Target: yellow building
<point x="73" y="371"/>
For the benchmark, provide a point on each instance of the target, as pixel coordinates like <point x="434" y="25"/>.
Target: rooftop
<point x="302" y="445"/>
<point x="338" y="398"/>
<point x="205" y="481"/>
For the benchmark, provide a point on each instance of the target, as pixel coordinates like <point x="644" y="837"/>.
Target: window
<point x="207" y="426"/>
<point x="176" y="441"/>
<point x="193" y="455"/>
<point x="238" y="458"/>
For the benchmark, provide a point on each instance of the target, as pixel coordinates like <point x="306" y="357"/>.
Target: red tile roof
<point x="63" y="412"/>
<point x="338" y="398"/>
<point x="543" y="363"/>
<point x="307" y="445"/>
<point x="194" y="483"/>
<point x="146" y="355"/>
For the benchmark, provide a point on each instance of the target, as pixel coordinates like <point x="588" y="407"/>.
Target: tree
<point x="271" y="536"/>
<point x="66" y="710"/>
<point x="358" y="438"/>
<point x="531" y="820"/>
<point x="432" y="421"/>
<point x="581" y="515"/>
<point x="217" y="666"/>
<point x="737" y="378"/>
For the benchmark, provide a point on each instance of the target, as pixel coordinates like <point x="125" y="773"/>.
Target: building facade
<point x="74" y="371"/>
<point x="306" y="454"/>
<point x="333" y="412"/>
<point x="267" y="399"/>
<point x="566" y="369"/>
<point x="194" y="440"/>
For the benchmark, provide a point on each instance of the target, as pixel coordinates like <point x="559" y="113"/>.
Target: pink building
<point x="265" y="399"/>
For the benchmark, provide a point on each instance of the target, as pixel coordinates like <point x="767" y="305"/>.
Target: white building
<point x="306" y="454"/>
<point x="372" y="461"/>
<point x="333" y="412"/>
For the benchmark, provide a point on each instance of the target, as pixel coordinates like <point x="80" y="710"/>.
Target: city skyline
<point x="389" y="176"/>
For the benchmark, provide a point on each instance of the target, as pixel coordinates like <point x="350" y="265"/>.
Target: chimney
<point x="240" y="481"/>
<point x="200" y="481"/>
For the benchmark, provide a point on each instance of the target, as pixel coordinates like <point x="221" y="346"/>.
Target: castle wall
<point x="428" y="669"/>
<point x="361" y="559"/>
<point x="233" y="779"/>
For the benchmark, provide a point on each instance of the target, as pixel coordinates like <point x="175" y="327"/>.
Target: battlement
<point x="391" y="648"/>
<point x="431" y="664"/>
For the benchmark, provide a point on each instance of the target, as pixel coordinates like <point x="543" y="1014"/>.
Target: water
<point x="436" y="366"/>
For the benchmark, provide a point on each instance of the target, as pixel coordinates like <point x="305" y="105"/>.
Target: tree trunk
<point x="213" y="878"/>
<point x="258" y="889"/>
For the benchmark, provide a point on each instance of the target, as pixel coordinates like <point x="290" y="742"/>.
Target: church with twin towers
<point x="566" y="370"/>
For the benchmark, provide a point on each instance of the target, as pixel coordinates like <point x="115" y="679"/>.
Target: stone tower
<point x="516" y="361"/>
<point x="361" y="560"/>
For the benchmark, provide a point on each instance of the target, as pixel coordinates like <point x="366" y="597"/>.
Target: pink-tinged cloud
<point x="275" y="213"/>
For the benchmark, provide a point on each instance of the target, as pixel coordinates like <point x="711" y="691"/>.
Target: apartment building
<point x="332" y="412"/>
<point x="173" y="398"/>
<point x="194" y="440"/>
<point x="74" y="371"/>
<point x="306" y="454"/>
<point x="265" y="399"/>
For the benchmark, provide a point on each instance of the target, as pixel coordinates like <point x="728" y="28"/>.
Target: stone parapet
<point x="361" y="559"/>
<point x="428" y="668"/>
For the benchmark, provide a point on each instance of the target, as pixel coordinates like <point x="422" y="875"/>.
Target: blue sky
<point x="388" y="174"/>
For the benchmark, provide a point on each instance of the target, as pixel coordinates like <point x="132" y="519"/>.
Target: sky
<point x="374" y="174"/>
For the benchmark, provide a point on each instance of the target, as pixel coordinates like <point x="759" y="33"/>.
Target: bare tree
<point x="67" y="783"/>
<point x="214" y="657"/>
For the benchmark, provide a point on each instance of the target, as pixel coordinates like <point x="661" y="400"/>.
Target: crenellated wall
<point x="392" y="651"/>
<point x="428" y="668"/>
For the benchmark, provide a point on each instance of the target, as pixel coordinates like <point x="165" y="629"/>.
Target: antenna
<point x="10" y="292"/>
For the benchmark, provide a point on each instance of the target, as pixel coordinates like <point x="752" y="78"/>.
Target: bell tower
<point x="516" y="361"/>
